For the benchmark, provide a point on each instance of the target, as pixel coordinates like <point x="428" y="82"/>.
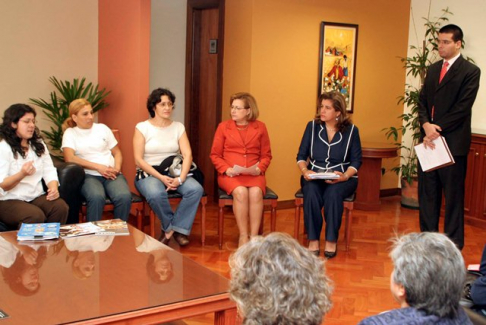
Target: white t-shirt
<point x="8" y="253"/>
<point x="93" y="145"/>
<point x="149" y="244"/>
<point x="30" y="187"/>
<point x="91" y="243"/>
<point x="160" y="142"/>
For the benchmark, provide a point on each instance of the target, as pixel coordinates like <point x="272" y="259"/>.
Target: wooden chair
<point x="348" y="215"/>
<point x="269" y="199"/>
<point x="175" y="198"/>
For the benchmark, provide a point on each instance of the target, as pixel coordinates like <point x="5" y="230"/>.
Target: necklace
<point x="244" y="127"/>
<point x="330" y="129"/>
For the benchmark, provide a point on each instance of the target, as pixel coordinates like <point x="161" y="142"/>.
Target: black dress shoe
<point x="316" y="252"/>
<point x="181" y="239"/>
<point x="329" y="255"/>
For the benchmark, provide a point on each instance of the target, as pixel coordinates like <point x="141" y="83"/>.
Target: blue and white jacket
<point x="342" y="152"/>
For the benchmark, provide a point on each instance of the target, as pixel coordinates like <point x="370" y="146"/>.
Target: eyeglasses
<point x="238" y="108"/>
<point x="28" y="121"/>
<point x="166" y="104"/>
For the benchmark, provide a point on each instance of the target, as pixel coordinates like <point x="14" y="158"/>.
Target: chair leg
<point x="220" y="227"/>
<point x="152" y="223"/>
<point x="273" y="220"/>
<point x="203" y="221"/>
<point x="349" y="218"/>
<point x="139" y="215"/>
<point x="297" y="222"/>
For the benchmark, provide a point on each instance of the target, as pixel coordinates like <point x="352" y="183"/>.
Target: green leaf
<point x="57" y="109"/>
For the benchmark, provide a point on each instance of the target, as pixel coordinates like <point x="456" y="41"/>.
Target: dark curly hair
<point x="12" y="115"/>
<point x="155" y="98"/>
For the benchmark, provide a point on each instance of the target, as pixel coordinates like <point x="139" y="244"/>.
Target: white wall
<point x="168" y="50"/>
<point x="39" y="39"/>
<point x="470" y="16"/>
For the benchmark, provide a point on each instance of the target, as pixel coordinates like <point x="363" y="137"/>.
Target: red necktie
<point x="443" y="71"/>
<point x="442" y="74"/>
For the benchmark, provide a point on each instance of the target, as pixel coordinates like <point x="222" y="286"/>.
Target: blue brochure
<point x="38" y="231"/>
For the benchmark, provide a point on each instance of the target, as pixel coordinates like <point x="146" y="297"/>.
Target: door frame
<point x="192" y="71"/>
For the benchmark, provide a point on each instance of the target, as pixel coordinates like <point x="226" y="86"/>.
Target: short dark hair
<point x="456" y="31"/>
<point x="155" y="98"/>
<point x="12" y="115"/>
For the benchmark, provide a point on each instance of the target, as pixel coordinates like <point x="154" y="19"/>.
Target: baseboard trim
<point x="390" y="192"/>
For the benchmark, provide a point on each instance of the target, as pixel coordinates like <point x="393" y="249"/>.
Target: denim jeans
<point x="96" y="189"/>
<point x="181" y="220"/>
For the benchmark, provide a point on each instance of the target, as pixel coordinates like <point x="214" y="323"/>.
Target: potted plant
<point x="57" y="110"/>
<point x="416" y="66"/>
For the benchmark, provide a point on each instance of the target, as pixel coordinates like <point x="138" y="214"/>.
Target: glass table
<point x="106" y="279"/>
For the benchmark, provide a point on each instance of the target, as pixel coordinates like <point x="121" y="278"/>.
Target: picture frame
<point x="337" y="60"/>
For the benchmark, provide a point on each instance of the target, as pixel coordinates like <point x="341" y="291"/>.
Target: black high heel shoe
<point x="329" y="255"/>
<point x="316" y="252"/>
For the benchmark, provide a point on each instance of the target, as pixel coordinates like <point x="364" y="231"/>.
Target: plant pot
<point x="410" y="194"/>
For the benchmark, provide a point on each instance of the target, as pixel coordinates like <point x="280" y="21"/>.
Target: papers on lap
<point x="114" y="227"/>
<point x="432" y="159"/>
<point x="246" y="170"/>
<point x="327" y="175"/>
<point x="38" y="231"/>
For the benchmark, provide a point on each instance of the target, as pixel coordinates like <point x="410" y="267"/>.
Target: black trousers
<point x="319" y="194"/>
<point x="450" y="182"/>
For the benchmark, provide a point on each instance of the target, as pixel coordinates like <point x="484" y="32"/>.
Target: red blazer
<point x="229" y="149"/>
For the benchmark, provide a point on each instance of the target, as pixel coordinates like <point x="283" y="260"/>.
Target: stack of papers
<point x="326" y="175"/>
<point x="114" y="227"/>
<point x="38" y="231"/>
<point x="432" y="159"/>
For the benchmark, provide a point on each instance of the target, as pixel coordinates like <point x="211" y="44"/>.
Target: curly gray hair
<point x="274" y="280"/>
<point x="431" y="269"/>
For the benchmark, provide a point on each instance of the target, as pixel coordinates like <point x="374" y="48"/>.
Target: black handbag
<point x="172" y="167"/>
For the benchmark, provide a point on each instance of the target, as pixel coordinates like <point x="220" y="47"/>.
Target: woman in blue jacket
<point x="330" y="144"/>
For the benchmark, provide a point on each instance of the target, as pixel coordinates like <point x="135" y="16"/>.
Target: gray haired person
<point x="276" y="281"/>
<point x="427" y="281"/>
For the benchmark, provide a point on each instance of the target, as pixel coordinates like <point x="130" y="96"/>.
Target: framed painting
<point x="337" y="60"/>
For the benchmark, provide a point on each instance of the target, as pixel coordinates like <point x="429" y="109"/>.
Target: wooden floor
<point x="361" y="275"/>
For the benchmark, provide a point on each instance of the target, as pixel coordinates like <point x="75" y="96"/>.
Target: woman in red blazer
<point x="241" y="155"/>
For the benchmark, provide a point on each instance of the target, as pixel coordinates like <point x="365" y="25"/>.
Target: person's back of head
<point x="431" y="269"/>
<point x="274" y="280"/>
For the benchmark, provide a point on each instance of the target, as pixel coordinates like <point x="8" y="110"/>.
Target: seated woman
<point x="330" y="144"/>
<point x="478" y="288"/>
<point x="241" y="154"/>
<point x="427" y="281"/>
<point x="155" y="140"/>
<point x="20" y="264"/>
<point x="24" y="163"/>
<point x="83" y="250"/>
<point x="94" y="147"/>
<point x="274" y="280"/>
<point x="159" y="267"/>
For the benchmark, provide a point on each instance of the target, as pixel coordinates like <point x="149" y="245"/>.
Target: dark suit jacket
<point x="453" y="99"/>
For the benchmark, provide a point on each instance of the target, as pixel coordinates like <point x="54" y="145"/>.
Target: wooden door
<point x="204" y="62"/>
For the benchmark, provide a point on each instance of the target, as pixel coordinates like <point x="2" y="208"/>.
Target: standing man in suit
<point x="445" y="106"/>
